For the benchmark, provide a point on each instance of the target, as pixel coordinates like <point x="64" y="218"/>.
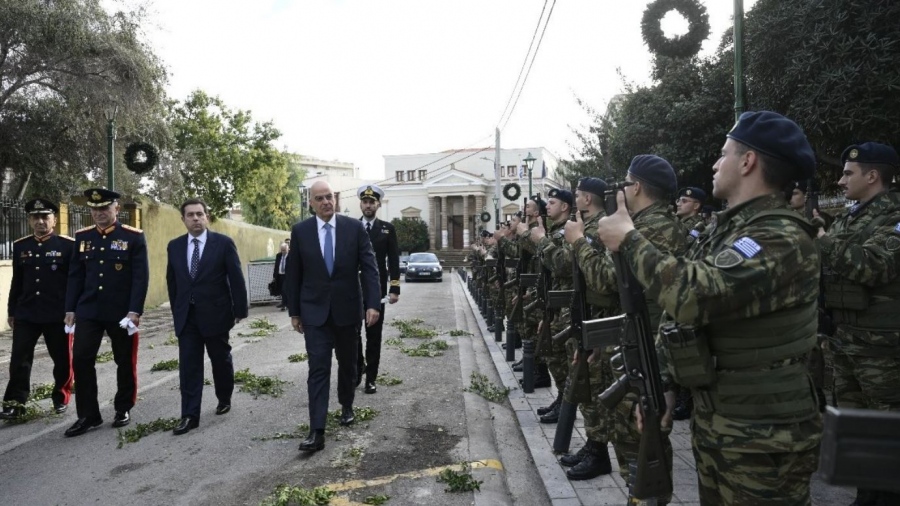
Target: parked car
<point x="423" y="266"/>
<point x="404" y="259"/>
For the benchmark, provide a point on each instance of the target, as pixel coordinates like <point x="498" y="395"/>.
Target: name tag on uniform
<point x="385" y="231"/>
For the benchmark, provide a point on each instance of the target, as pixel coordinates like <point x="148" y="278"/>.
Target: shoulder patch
<point x="897" y="228"/>
<point x="85" y="229"/>
<point x="694" y="233"/>
<point x="23" y="238"/>
<point x="747" y="247"/>
<point x="132" y="229"/>
<point x="66" y="237"/>
<point x="727" y="259"/>
<point x="892" y="243"/>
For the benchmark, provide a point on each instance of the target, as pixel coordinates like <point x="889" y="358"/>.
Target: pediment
<point x="454" y="178"/>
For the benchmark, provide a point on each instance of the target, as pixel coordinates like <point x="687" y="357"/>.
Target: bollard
<point x="528" y="366"/>
<point x="511" y="338"/>
<point x="498" y="326"/>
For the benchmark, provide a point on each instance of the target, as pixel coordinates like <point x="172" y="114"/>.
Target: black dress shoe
<point x="185" y="425"/>
<point x="11" y="413"/>
<point x="60" y="408"/>
<point x="82" y="425"/>
<point x="121" y="419"/>
<point x="223" y="407"/>
<point x="370" y="387"/>
<point x="347" y="417"/>
<point x="314" y="442"/>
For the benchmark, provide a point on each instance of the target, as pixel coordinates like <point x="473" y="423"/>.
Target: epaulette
<point x="132" y="229"/>
<point x="66" y="237"/>
<point x="85" y="229"/>
<point x="23" y="238"/>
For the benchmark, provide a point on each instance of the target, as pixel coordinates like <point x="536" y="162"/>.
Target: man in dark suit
<point x="279" y="270"/>
<point x="331" y="276"/>
<point x="208" y="297"/>
<point x="387" y="256"/>
<point x="108" y="279"/>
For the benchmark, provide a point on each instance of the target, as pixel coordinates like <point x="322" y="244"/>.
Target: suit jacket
<point x="219" y="291"/>
<point x="387" y="255"/>
<point x="312" y="294"/>
<point x="277" y="263"/>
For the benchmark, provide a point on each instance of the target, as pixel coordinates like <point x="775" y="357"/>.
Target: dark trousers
<point x="369" y="364"/>
<point x="190" y="366"/>
<point x="25" y="336"/>
<point x="320" y="341"/>
<point x="88" y="336"/>
<point x="279" y="285"/>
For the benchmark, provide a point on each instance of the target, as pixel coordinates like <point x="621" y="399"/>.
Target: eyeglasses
<point x="320" y="198"/>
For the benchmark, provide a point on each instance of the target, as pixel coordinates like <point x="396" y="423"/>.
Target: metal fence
<point x="13" y="225"/>
<point x="80" y="217"/>
<point x="259" y="274"/>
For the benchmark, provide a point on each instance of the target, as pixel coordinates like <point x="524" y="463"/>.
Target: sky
<point x="354" y="80"/>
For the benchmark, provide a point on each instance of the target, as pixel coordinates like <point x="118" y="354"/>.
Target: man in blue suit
<point x="208" y="297"/>
<point x="331" y="275"/>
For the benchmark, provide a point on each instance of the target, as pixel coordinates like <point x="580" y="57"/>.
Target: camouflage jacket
<point x="555" y="256"/>
<point x="693" y="225"/>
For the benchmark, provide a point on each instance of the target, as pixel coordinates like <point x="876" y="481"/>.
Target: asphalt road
<point x="422" y="425"/>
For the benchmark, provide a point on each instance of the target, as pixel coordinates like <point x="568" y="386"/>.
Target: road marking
<point x="348" y="486"/>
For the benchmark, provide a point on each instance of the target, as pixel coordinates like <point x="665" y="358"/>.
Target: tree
<point x="412" y="235"/>
<point x="271" y="198"/>
<point x="218" y="152"/>
<point x="62" y="63"/>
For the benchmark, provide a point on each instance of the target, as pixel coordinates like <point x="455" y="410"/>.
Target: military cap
<point x="370" y="191"/>
<point x="100" y="197"/>
<point x="777" y="136"/>
<point x="871" y="152"/>
<point x="41" y="206"/>
<point x="541" y="203"/>
<point x="693" y="193"/>
<point x="486" y="234"/>
<point x="803" y="186"/>
<point x="654" y="171"/>
<point x="563" y="195"/>
<point x="593" y="185"/>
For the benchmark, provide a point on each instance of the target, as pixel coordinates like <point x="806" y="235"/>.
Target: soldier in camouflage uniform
<point x="688" y="206"/>
<point x="745" y="295"/>
<point x="554" y="256"/>
<point x="653" y="182"/>
<point x="861" y="257"/>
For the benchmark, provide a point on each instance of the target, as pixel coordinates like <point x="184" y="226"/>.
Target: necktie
<point x="329" y="249"/>
<point x="368" y="227"/>
<point x="283" y="261"/>
<point x="195" y="257"/>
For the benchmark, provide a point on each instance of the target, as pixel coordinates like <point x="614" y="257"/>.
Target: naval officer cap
<point x="593" y="185"/>
<point x="774" y="135"/>
<point x="871" y="152"/>
<point x="692" y="192"/>
<point x="562" y="195"/>
<point x="370" y="191"/>
<point x="41" y="206"/>
<point x="100" y="197"/>
<point x="654" y="171"/>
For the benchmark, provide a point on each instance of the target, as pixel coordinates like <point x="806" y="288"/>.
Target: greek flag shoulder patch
<point x="695" y="233"/>
<point x="897" y="228"/>
<point x="747" y="247"/>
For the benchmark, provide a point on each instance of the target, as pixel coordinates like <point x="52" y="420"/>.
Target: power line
<point x="512" y="93"/>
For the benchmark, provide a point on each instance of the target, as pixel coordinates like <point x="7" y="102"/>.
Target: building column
<point x="444" y="222"/>
<point x="432" y="228"/>
<point x="466" y="221"/>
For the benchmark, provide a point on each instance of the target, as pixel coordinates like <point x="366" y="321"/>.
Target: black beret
<point x="871" y="152"/>
<point x="654" y="171"/>
<point x="804" y="185"/>
<point x="693" y="192"/>
<point x="41" y="206"/>
<point x="541" y="203"/>
<point x="772" y="134"/>
<point x="486" y="234"/>
<point x="593" y="185"/>
<point x="563" y="195"/>
<point x="100" y="197"/>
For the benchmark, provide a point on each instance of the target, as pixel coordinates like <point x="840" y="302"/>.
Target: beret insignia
<point x="853" y="154"/>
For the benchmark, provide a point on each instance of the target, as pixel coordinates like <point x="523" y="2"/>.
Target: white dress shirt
<point x="190" y="248"/>
<point x="321" y="225"/>
<point x="370" y="223"/>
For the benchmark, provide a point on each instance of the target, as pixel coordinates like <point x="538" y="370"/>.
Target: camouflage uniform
<point x="556" y="257"/>
<point x="749" y="290"/>
<point x="861" y="256"/>
<point x="693" y="225"/>
<point x="524" y="249"/>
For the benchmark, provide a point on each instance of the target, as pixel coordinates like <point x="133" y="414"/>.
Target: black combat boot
<point x="576" y="458"/>
<point x="594" y="464"/>
<point x="684" y="405"/>
<point x="542" y="377"/>
<point x="553" y="405"/>
<point x="552" y="416"/>
<point x="518" y="366"/>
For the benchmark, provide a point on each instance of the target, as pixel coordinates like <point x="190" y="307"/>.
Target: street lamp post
<point x="496" y="211"/>
<point x="302" y="189"/>
<point x="529" y="164"/>
<point x="110" y="146"/>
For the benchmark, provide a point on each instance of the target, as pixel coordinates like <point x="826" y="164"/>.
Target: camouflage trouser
<point x="867" y="382"/>
<point x="558" y="359"/>
<point x="730" y="478"/>
<point x="627" y="439"/>
<point x="598" y="421"/>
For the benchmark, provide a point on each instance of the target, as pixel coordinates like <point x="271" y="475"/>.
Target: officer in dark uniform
<point x="37" y="306"/>
<point x="108" y="282"/>
<point x="387" y="256"/>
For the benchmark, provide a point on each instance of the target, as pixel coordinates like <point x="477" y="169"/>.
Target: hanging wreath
<point x="681" y="46"/>
<point x="512" y="191"/>
<point x="140" y="157"/>
<point x="485" y="217"/>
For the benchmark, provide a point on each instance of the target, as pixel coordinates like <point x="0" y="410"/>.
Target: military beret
<point x="871" y="152"/>
<point x="370" y="191"/>
<point x="593" y="185"/>
<point x="803" y="186"/>
<point x="777" y="136"/>
<point x="41" y="206"/>
<point x="100" y="197"/>
<point x="693" y="193"/>
<point x="486" y="234"/>
<point x="563" y="195"/>
<point x="654" y="171"/>
<point x="541" y="203"/>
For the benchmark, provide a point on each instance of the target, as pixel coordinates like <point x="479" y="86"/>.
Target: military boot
<point x="542" y="377"/>
<point x="594" y="464"/>
<point x="546" y="409"/>
<point x="551" y="416"/>
<point x="576" y="458"/>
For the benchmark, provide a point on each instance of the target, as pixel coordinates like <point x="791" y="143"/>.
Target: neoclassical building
<point x="450" y="190"/>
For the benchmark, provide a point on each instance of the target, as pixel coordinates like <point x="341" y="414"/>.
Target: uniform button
<point x="37" y="280"/>
<point x="101" y="274"/>
<point x="101" y="261"/>
<point x="37" y="268"/>
<point x="37" y="293"/>
<point x="104" y="237"/>
<point x="100" y="288"/>
<point x="102" y="249"/>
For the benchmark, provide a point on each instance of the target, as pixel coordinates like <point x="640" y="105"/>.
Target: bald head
<point x="322" y="199"/>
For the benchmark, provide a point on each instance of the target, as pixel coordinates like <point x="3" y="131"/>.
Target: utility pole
<point x="110" y="145"/>
<point x="738" y="58"/>
<point x="497" y="178"/>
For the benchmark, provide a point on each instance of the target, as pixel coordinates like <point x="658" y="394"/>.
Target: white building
<point x="343" y="178"/>
<point x="450" y="190"/>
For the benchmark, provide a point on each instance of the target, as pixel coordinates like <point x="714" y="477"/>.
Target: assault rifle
<point x="638" y="361"/>
<point x="861" y="447"/>
<point x="812" y="199"/>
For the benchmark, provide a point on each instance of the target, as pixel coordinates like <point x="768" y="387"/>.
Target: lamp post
<point x="302" y="190"/>
<point x="529" y="164"/>
<point x="738" y="58"/>
<point x="110" y="146"/>
<point x="496" y="211"/>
